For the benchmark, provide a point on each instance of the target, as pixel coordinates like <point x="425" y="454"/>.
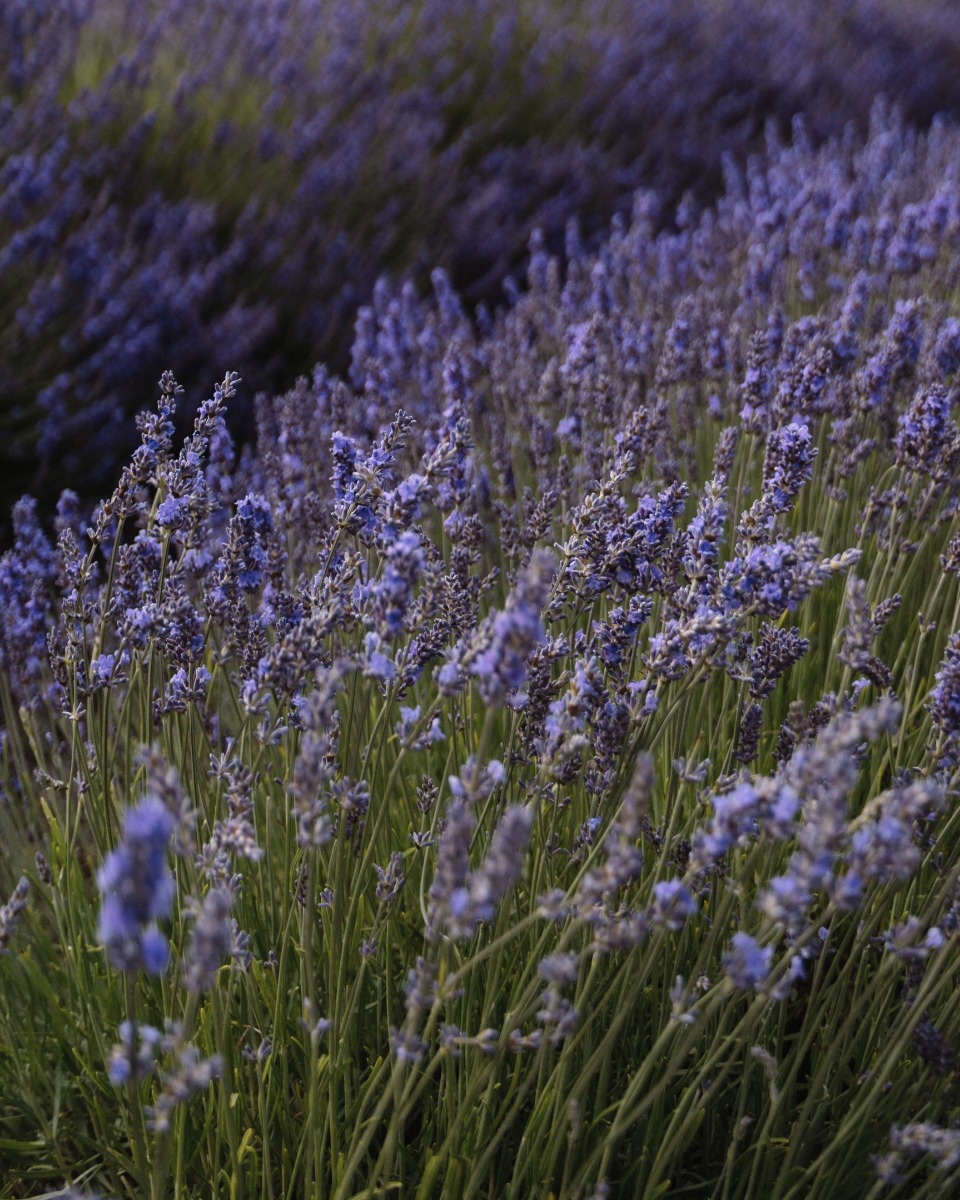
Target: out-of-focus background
<point x="206" y="185"/>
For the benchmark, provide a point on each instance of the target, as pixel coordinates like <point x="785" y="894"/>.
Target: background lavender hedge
<point x="220" y="185"/>
<point x="533" y="769"/>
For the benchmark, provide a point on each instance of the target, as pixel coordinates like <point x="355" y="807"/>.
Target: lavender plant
<point x="212" y="184"/>
<point x="534" y="770"/>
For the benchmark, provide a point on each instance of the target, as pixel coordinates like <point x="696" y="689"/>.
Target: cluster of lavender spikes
<point x="206" y="183"/>
<point x="547" y="695"/>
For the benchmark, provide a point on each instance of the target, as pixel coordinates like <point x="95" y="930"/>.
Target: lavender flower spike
<point x="212" y="940"/>
<point x="138" y="888"/>
<point x="461" y="899"/>
<point x="10" y="913"/>
<point x="747" y="962"/>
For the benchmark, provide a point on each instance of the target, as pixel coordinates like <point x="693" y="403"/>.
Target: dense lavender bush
<point x="221" y="184"/>
<point x="534" y="771"/>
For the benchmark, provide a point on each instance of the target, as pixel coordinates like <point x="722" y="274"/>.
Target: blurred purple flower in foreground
<point x="138" y="889"/>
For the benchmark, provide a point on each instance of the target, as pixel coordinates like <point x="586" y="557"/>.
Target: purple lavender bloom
<point x="883" y="845"/>
<point x="449" y="892"/>
<point x="947" y="349"/>
<point x="559" y="969"/>
<point x="192" y="1075"/>
<point x="513" y="634"/>
<point x="10" y="912"/>
<point x="614" y="548"/>
<point x="747" y="963"/>
<point x="503" y="665"/>
<point x="26" y="573"/>
<point x="734" y="817"/>
<point x="911" y="1141"/>
<point x="138" y="890"/>
<point x="672" y="904"/>
<point x="101" y="670"/>
<point x="390" y="879"/>
<point x="776" y="651"/>
<point x="245" y="559"/>
<point x="406" y="729"/>
<point x="502" y="865"/>
<point x="212" y="942"/>
<point x="898" y="351"/>
<point x="756" y="390"/>
<point x="779" y="576"/>
<point x="461" y="899"/>
<point x="373" y="662"/>
<point x="787" y="465"/>
<point x="926" y="436"/>
<point x="390" y="597"/>
<point x="788" y="897"/>
<point x="182" y="691"/>
<point x="944" y="703"/>
<point x="134" y="1057"/>
<point x="705" y="534"/>
<point x="170" y="512"/>
<point x="823" y="774"/>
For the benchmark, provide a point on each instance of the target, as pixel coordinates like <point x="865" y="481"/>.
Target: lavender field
<point x="499" y="734"/>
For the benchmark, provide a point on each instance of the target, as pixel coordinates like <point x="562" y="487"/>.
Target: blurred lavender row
<point x="217" y="185"/>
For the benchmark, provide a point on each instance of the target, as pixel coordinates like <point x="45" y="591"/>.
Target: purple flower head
<point x="788" y="898"/>
<point x="389" y="599"/>
<point x="911" y="1141"/>
<point x="756" y="390"/>
<point x="778" y="576"/>
<point x="134" y="1057"/>
<point x="461" y="899"/>
<point x="212" y="941"/>
<point x="508" y="639"/>
<point x="192" y="1075"/>
<point x="170" y="512"/>
<point x="734" y="817"/>
<point x="776" y="651"/>
<point x="26" y="572"/>
<point x="373" y="662"/>
<point x="781" y="804"/>
<point x="407" y="729"/>
<point x="883" y="845"/>
<point x="138" y="889"/>
<point x="101" y="672"/>
<point x="182" y="691"/>
<point x="947" y="349"/>
<point x="345" y="453"/>
<point x="944" y="703"/>
<point x="614" y="637"/>
<point x="567" y="716"/>
<point x="390" y="879"/>
<point x="747" y="963"/>
<point x="672" y="904"/>
<point x="612" y="547"/>
<point x="926" y="438"/>
<point x="899" y="349"/>
<point x="10" y="912"/>
<point x="254" y="522"/>
<point x="475" y="783"/>
<point x="404" y="505"/>
<point x="705" y="534"/>
<point x="845" y="331"/>
<point x="559" y="969"/>
<point x="450" y="888"/>
<point x="787" y="465"/>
